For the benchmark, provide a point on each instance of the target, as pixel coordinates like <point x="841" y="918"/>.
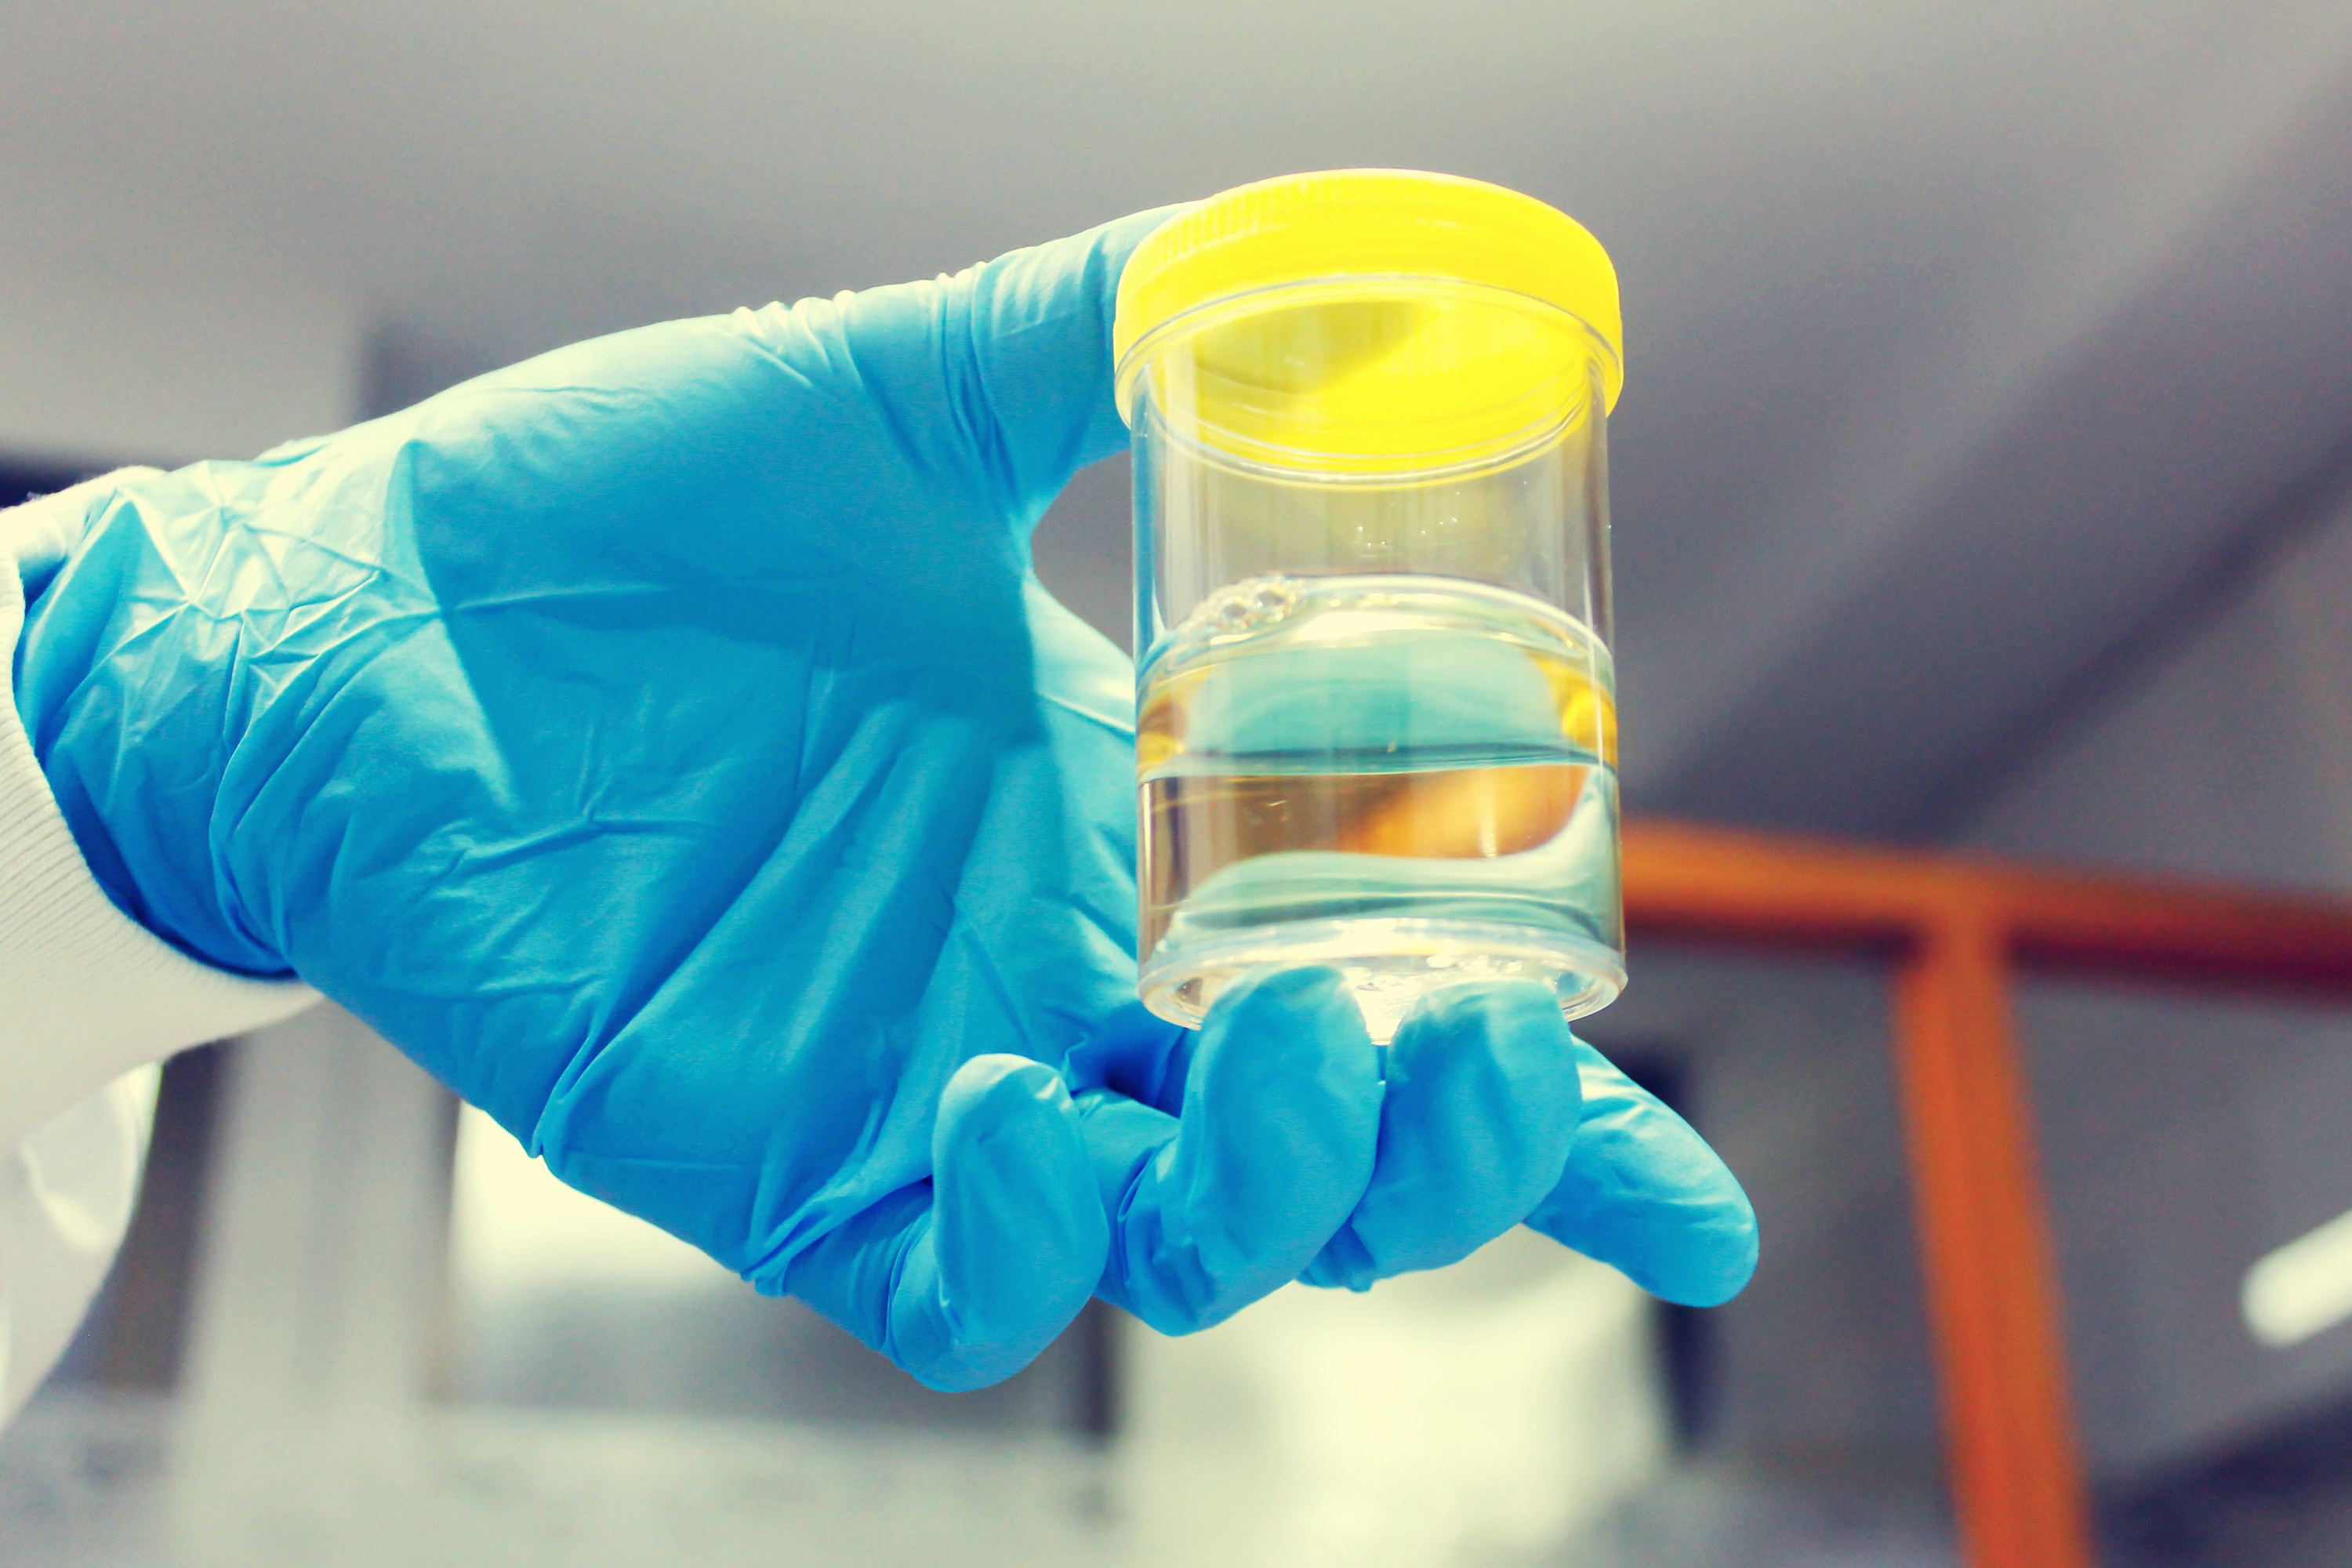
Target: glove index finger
<point x="962" y="1281"/>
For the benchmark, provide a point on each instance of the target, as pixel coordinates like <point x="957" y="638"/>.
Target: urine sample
<point x="1377" y="721"/>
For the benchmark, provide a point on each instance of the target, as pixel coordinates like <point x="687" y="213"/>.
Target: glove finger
<point x="962" y="1281"/>
<point x="1002" y="373"/>
<point x="1039" y="362"/>
<point x="1644" y="1192"/>
<point x="1479" y="1111"/>
<point x="1281" y="1118"/>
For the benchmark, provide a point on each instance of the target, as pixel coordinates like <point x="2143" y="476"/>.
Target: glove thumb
<point x="1040" y="360"/>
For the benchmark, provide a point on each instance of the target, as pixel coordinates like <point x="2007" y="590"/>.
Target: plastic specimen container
<point x="1377" y="721"/>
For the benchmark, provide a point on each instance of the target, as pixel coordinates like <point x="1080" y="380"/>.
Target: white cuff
<point x="86" y="994"/>
<point x="86" y="999"/>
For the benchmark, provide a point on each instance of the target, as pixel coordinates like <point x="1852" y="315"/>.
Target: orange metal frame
<point x="1957" y="932"/>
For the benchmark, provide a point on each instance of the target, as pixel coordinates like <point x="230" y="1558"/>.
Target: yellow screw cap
<point x="1368" y="321"/>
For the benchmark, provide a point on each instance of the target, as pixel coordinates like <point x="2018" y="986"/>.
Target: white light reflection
<point x="517" y="1228"/>
<point x="2302" y="1288"/>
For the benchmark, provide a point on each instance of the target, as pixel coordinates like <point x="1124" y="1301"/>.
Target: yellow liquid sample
<point x="1421" y="768"/>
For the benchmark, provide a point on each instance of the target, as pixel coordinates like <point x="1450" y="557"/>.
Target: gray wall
<point x="168" y="359"/>
<point x="2185" y="1137"/>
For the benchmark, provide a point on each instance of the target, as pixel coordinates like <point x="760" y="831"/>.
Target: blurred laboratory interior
<point x="1983" y="495"/>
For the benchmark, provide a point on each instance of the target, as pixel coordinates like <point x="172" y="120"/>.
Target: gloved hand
<point x="667" y="743"/>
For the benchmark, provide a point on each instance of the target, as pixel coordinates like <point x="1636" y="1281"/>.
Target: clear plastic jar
<point x="1377" y="720"/>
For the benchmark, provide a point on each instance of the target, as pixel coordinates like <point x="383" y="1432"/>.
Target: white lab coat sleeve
<point x="88" y="1000"/>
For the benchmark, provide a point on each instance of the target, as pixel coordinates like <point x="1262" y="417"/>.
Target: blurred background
<point x="1983" y="480"/>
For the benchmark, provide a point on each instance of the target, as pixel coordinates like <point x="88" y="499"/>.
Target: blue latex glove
<point x="667" y="743"/>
